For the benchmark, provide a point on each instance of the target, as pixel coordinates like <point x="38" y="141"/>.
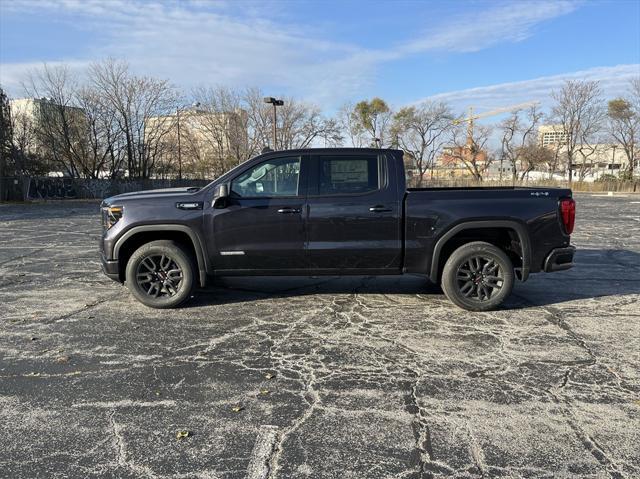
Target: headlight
<point x="111" y="215"/>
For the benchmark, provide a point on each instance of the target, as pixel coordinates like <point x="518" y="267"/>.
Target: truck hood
<point x="163" y="192"/>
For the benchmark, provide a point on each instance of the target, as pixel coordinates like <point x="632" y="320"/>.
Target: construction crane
<point x="471" y="118"/>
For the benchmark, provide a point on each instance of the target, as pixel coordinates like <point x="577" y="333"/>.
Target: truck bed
<point x="432" y="212"/>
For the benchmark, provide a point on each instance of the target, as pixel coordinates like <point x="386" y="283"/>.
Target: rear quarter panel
<point x="430" y="214"/>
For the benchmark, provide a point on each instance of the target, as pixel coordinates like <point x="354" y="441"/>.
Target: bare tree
<point x="421" y="132"/>
<point x="579" y="111"/>
<point x="60" y="126"/>
<point x="6" y="140"/>
<point x="556" y="160"/>
<point x="470" y="149"/>
<point x="142" y="106"/>
<point x="624" y="124"/>
<point x="219" y="129"/>
<point x="350" y="127"/>
<point x="634" y="98"/>
<point x="518" y="131"/>
<point x="532" y="156"/>
<point x="103" y="147"/>
<point x="301" y="125"/>
<point x="259" y="116"/>
<point x="24" y="145"/>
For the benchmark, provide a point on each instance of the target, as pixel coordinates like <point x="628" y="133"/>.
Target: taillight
<point x="568" y="212"/>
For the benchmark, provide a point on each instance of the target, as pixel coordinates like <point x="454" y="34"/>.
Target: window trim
<point x="302" y="180"/>
<point x="314" y="178"/>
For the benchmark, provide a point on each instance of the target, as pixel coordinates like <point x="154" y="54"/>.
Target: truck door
<point x="261" y="227"/>
<point x="353" y="214"/>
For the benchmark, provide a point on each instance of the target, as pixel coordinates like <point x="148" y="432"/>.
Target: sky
<point x="485" y="54"/>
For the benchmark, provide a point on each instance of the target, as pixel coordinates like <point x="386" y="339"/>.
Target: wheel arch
<point x="482" y="231"/>
<point x="139" y="235"/>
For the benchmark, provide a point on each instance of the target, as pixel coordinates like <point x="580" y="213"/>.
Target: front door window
<point x="273" y="178"/>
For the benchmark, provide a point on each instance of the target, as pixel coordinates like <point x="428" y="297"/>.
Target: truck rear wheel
<point x="160" y="274"/>
<point x="478" y="276"/>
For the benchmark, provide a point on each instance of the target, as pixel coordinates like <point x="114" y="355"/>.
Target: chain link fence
<point x="622" y="186"/>
<point x="46" y="188"/>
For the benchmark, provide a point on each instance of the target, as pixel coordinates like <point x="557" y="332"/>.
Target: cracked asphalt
<point x="316" y="377"/>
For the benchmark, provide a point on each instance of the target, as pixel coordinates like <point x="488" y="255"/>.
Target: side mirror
<point x="220" y="201"/>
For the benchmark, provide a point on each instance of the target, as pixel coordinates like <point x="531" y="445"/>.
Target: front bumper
<point x="110" y="268"/>
<point x="559" y="259"/>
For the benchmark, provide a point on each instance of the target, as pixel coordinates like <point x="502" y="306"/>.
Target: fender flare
<point x="195" y="239"/>
<point x="519" y="228"/>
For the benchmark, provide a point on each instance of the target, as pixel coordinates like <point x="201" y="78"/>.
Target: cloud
<point x="512" y="22"/>
<point x="614" y="80"/>
<point x="12" y="75"/>
<point x="197" y="42"/>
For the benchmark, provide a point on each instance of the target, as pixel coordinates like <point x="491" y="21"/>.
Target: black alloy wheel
<point x="161" y="274"/>
<point x="478" y="276"/>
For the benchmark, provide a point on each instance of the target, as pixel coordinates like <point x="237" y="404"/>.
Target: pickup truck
<point x="338" y="211"/>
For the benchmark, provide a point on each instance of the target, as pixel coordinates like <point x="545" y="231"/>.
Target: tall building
<point x="200" y="143"/>
<point x="36" y="120"/>
<point x="549" y="135"/>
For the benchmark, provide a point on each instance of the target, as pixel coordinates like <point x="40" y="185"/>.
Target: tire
<point x="161" y="274"/>
<point x="478" y="276"/>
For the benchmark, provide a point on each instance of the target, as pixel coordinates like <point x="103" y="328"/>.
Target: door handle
<point x="194" y="205"/>
<point x="379" y="209"/>
<point x="288" y="211"/>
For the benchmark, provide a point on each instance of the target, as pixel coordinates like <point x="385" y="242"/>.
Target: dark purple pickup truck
<point x="342" y="211"/>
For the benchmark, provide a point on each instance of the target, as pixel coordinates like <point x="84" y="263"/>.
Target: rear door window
<point x="348" y="174"/>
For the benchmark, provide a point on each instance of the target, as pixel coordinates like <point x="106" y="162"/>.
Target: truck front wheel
<point x="160" y="274"/>
<point x="478" y="276"/>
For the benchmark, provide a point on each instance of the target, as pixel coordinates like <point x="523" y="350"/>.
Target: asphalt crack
<point x="120" y="447"/>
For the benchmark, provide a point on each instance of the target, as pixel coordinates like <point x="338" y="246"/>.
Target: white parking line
<point x="611" y="196"/>
<point x="262" y="450"/>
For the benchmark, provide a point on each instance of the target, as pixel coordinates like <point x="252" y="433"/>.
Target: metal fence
<point x="46" y="188"/>
<point x="626" y="186"/>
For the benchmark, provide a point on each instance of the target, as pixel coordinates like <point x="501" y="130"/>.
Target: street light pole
<point x="276" y="103"/>
<point x="179" y="146"/>
<point x="275" y="123"/>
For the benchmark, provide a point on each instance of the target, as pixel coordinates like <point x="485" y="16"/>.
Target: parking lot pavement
<point x="316" y="377"/>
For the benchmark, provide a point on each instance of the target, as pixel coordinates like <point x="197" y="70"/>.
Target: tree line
<point x="110" y="122"/>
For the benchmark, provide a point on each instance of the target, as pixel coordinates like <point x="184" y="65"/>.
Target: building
<point x="593" y="161"/>
<point x="36" y="121"/>
<point x="199" y="143"/>
<point x="549" y="135"/>
<point x="451" y="163"/>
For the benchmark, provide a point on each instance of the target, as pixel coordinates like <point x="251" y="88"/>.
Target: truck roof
<point x="303" y="151"/>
